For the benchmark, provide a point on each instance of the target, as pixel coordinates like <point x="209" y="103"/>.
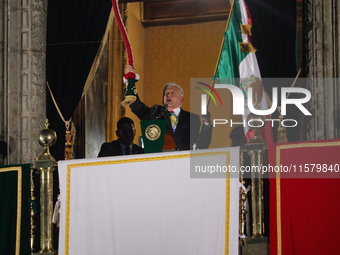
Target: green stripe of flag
<point x="231" y="55"/>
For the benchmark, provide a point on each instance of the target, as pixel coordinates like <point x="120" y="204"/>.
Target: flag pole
<point x="218" y="60"/>
<point x="219" y="55"/>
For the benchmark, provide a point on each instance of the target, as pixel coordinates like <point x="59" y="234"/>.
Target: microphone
<point x="154" y="110"/>
<point x="163" y="109"/>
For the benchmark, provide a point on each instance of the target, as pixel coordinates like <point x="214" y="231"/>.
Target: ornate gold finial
<point x="257" y="87"/>
<point x="68" y="146"/>
<point x="47" y="138"/>
<point x="47" y="124"/>
<point x="281" y="130"/>
<point x="257" y="122"/>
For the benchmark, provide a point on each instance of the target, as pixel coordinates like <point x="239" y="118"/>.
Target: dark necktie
<point x="127" y="150"/>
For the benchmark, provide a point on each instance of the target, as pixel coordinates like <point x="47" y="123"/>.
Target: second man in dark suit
<point x="124" y="144"/>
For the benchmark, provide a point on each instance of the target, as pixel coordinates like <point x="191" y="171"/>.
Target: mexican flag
<point x="238" y="64"/>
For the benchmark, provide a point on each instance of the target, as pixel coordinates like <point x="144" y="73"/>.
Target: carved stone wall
<point x="22" y="83"/>
<point x="322" y="65"/>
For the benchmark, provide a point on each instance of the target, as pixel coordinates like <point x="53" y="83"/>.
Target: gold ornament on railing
<point x="242" y="207"/>
<point x="281" y="130"/>
<point x="69" y="141"/>
<point x="45" y="165"/>
<point x="256" y="147"/>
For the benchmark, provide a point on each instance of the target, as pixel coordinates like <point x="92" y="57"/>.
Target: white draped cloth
<point x="147" y="205"/>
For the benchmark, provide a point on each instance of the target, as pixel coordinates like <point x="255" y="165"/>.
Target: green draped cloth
<point x="15" y="209"/>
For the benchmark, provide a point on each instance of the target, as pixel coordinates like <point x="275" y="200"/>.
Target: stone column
<point x="22" y="72"/>
<point x="322" y="63"/>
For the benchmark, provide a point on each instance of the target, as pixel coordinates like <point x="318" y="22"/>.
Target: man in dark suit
<point x="183" y="125"/>
<point x="124" y="144"/>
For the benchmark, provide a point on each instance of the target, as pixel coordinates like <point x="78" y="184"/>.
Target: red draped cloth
<point x="304" y="203"/>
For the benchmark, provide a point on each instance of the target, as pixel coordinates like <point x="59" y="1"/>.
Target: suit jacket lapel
<point x="181" y="119"/>
<point x="117" y="148"/>
<point x="166" y="116"/>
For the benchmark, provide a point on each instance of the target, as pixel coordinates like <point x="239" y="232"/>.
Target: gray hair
<point x="174" y="85"/>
